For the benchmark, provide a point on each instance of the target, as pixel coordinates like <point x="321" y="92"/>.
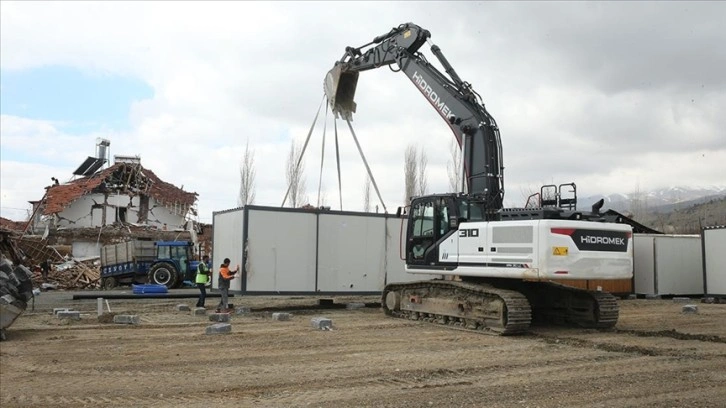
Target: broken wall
<point x="97" y="210"/>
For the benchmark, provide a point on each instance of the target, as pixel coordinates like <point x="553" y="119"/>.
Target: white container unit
<point x="714" y="261"/>
<point x="296" y="251"/>
<point x="667" y="264"/>
<point x="227" y="227"/>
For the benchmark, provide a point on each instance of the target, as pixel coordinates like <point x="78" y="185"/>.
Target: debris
<point x="219" y="317"/>
<point x="690" y="309"/>
<point x="219" y="328"/>
<point x="353" y="306"/>
<point x="281" y="316"/>
<point x="126" y="319"/>
<point x="106" y="317"/>
<point x="69" y="314"/>
<point x="322" y="323"/>
<point x="242" y="310"/>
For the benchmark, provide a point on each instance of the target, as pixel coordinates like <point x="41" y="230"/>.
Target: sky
<point x="615" y="96"/>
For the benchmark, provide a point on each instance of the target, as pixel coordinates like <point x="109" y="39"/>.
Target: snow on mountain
<point x="654" y="199"/>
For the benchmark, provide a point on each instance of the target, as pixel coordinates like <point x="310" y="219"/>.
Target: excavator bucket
<point x="340" y="90"/>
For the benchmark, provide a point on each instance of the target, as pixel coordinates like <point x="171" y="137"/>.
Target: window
<point x="423" y="219"/>
<point x="121" y="214"/>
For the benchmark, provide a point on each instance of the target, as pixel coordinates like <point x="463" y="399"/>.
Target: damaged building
<point x="123" y="201"/>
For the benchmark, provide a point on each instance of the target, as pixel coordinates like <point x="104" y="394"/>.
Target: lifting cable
<point x="337" y="160"/>
<point x="322" y="153"/>
<point x="310" y="132"/>
<point x="366" y="164"/>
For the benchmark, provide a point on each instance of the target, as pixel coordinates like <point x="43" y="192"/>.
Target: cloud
<point x="597" y="93"/>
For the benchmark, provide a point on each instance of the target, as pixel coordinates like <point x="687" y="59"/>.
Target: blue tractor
<point x="167" y="263"/>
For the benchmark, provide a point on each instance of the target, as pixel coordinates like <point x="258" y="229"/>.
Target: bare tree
<point x="422" y="181"/>
<point x="410" y="171"/>
<point x="294" y="176"/>
<point x="454" y="167"/>
<point x="367" y="195"/>
<point x="638" y="204"/>
<point x="247" y="178"/>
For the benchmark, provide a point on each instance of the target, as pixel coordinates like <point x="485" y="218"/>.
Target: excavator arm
<point x="454" y="100"/>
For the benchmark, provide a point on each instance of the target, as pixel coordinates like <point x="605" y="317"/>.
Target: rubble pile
<point x="71" y="274"/>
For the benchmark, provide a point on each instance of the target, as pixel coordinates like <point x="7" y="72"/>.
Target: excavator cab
<point x="431" y="220"/>
<point x="339" y="88"/>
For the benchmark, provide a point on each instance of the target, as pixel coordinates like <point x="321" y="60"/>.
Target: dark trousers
<point x="202" y="294"/>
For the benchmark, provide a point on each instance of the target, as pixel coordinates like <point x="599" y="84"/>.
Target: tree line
<point x="414" y="172"/>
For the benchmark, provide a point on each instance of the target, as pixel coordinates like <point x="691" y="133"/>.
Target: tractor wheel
<point x="163" y="273"/>
<point x="108" y="283"/>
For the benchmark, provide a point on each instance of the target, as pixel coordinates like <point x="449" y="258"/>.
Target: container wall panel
<point x="667" y="264"/>
<point x="351" y="253"/>
<point x="227" y="243"/>
<point x="714" y="250"/>
<point x="281" y="251"/>
<point x="678" y="265"/>
<point x="643" y="264"/>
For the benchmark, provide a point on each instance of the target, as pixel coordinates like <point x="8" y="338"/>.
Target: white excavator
<point x="497" y="268"/>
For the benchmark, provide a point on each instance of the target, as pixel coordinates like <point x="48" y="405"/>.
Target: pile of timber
<point x="71" y="274"/>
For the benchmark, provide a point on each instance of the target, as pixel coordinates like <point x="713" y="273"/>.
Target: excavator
<point x="496" y="269"/>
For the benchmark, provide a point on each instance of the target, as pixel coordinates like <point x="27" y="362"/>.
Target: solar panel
<point x="94" y="167"/>
<point x="89" y="166"/>
<point x="84" y="167"/>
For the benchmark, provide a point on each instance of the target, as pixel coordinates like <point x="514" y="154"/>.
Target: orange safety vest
<point x="226" y="274"/>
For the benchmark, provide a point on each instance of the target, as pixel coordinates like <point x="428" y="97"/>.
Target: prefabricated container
<point x="667" y="264"/>
<point x="290" y="251"/>
<point x="713" y="241"/>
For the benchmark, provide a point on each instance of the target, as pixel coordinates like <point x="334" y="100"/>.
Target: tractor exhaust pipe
<point x="339" y="87"/>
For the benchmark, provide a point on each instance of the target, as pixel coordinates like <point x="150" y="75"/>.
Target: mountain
<point x="659" y="201"/>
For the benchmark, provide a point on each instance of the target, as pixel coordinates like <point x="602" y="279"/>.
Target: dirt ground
<point x="656" y="357"/>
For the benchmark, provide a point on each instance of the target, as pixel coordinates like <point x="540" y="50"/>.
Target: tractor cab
<point x="174" y="263"/>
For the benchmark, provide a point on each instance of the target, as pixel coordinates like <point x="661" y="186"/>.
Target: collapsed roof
<point x="121" y="178"/>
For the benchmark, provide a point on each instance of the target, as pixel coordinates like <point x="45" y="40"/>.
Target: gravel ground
<point x="655" y="357"/>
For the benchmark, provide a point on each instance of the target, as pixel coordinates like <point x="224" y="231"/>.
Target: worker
<point x="225" y="276"/>
<point x="202" y="279"/>
<point x="44" y="269"/>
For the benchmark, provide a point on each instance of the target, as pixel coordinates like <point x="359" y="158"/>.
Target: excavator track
<point x="565" y="305"/>
<point x="472" y="306"/>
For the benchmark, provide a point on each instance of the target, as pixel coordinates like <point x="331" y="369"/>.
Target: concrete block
<point x="353" y="306"/>
<point x="219" y="328"/>
<point x="321" y="323"/>
<point x="632" y="296"/>
<point x="183" y="308"/>
<point x="199" y="311"/>
<point x="709" y="300"/>
<point x="219" y="317"/>
<point x="681" y="300"/>
<point x="60" y="309"/>
<point x="126" y="319"/>
<point x="243" y="310"/>
<point x="690" y="309"/>
<point x="281" y="316"/>
<point x="68" y="314"/>
<point x="652" y="297"/>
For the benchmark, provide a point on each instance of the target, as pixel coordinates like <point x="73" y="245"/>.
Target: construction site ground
<point x="656" y="356"/>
